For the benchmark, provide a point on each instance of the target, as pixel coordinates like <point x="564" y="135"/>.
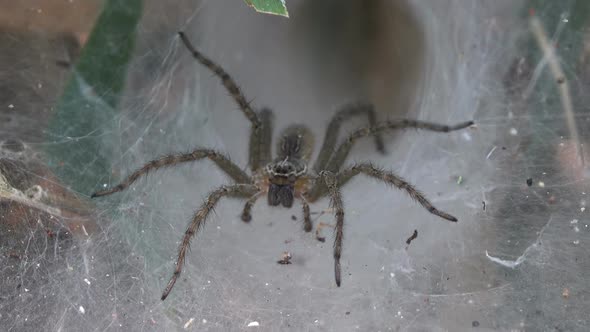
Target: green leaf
<point x="86" y="111"/>
<point x="275" y="7"/>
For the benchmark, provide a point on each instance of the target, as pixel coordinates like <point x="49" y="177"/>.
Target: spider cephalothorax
<point x="287" y="177"/>
<point x="286" y="173"/>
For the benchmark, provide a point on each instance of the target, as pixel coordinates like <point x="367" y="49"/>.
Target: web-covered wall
<point x="516" y="180"/>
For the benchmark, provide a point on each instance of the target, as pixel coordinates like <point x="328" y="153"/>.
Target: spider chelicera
<point x="288" y="177"/>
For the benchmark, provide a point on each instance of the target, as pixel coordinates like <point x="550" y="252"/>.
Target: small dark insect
<point x="288" y="176"/>
<point x="484" y="205"/>
<point x="412" y="237"/>
<point x="529" y="182"/>
<point x="286" y="259"/>
<point x="293" y="217"/>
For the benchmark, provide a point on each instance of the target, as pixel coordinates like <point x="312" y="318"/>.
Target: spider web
<point x="515" y="261"/>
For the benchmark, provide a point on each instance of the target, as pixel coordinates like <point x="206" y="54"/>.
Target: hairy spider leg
<point x="336" y="202"/>
<point x="335" y="181"/>
<point x="246" y="212"/>
<point x="319" y="188"/>
<point x="307" y="225"/>
<point x="342" y="152"/>
<point x="261" y="122"/>
<point x="344" y="114"/>
<point x="261" y="141"/>
<point x="236" y="190"/>
<point x="391" y="178"/>
<point x="226" y="165"/>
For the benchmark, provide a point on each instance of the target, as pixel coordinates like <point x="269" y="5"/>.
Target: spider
<point x="288" y="176"/>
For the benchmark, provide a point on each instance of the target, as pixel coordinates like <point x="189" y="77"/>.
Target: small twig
<point x="560" y="78"/>
<point x="412" y="237"/>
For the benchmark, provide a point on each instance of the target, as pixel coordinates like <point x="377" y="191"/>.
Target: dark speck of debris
<point x="286" y="258"/>
<point x="529" y="182"/>
<point x="475" y="323"/>
<point x="293" y="217"/>
<point x="503" y="148"/>
<point x="412" y="237"/>
<point x="348" y="313"/>
<point x="484" y="205"/>
<point x="63" y="63"/>
<point x="560" y="80"/>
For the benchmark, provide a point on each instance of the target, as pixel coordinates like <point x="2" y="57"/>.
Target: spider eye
<point x="283" y="169"/>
